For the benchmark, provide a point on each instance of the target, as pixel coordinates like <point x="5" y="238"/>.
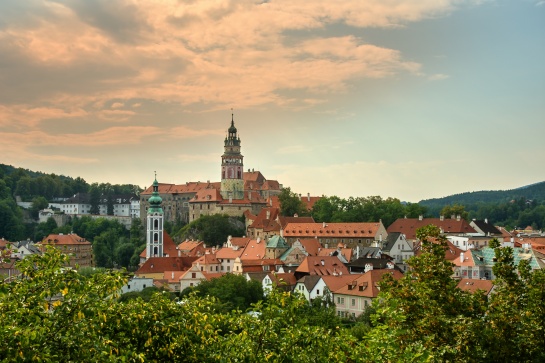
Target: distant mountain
<point x="534" y="191"/>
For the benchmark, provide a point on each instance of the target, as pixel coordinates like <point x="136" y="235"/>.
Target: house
<point x="79" y="249"/>
<point x="408" y="226"/>
<point x="155" y="267"/>
<point x="472" y="285"/>
<point x="227" y="256"/>
<point x="478" y="264"/>
<point x="310" y="286"/>
<point x="137" y="284"/>
<point x="191" y="248"/>
<point x="344" y="254"/>
<point x="364" y="264"/>
<point x="397" y="247"/>
<point x="353" y="298"/>
<point x="350" y="234"/>
<point x="321" y="265"/>
<point x="486" y="229"/>
<point x="294" y="255"/>
<point x="283" y="281"/>
<point x="276" y="246"/>
<point x="257" y="265"/>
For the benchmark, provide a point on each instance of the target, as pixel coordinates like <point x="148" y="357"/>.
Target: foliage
<point x="38" y="203"/>
<point x="454" y="210"/>
<point x="424" y="314"/>
<point x="291" y="204"/>
<point x="370" y="209"/>
<point x="212" y="229"/>
<point x="232" y="292"/>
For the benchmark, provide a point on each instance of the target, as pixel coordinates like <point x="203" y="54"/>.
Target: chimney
<point x="458" y="217"/>
<point x="250" y="195"/>
<point x="452" y="216"/>
<point x="268" y="214"/>
<point x="258" y="239"/>
<point x="420" y="217"/>
<point x="281" y="233"/>
<point x="323" y="262"/>
<point x="486" y="220"/>
<point x="172" y="276"/>
<point x="230" y="199"/>
<point x="308" y="197"/>
<point x="441" y="218"/>
<point x="323" y="225"/>
<point x="461" y="257"/>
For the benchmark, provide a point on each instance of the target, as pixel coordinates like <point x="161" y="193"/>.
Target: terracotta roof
<point x="311" y="245"/>
<point x="173" y="276"/>
<point x="309" y="201"/>
<point x="474" y="285"/>
<point x="322" y="265"/>
<point x="408" y="226"/>
<point x="162" y="264"/>
<point x="64" y="239"/>
<point x="366" y="284"/>
<point x="283" y="221"/>
<point x="253" y="176"/>
<point x="283" y="279"/>
<point x="206" y="196"/>
<point x="188" y="246"/>
<point x="212" y="275"/>
<point x="336" y="282"/>
<point x="354" y="230"/>
<point x="262" y="222"/>
<point x="451" y="251"/>
<point x="254" y="250"/>
<point x="228" y="253"/>
<point x="169" y="247"/>
<point x="346" y="252"/>
<point x="207" y="259"/>
<point x="273" y="201"/>
<point x="240" y="241"/>
<point x="189" y="187"/>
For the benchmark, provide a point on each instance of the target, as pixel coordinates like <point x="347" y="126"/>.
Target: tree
<point x="424" y="313"/>
<point x="212" y="229"/>
<point x="94" y="199"/>
<point x="291" y="204"/>
<point x="38" y="204"/>
<point x="233" y="292"/>
<point x="455" y="210"/>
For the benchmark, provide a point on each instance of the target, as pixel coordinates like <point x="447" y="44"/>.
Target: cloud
<point x="438" y="77"/>
<point x="214" y="52"/>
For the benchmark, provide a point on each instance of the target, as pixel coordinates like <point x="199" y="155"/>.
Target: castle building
<point x="236" y="193"/>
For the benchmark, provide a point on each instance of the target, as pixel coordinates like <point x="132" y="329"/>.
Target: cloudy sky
<point x="410" y="99"/>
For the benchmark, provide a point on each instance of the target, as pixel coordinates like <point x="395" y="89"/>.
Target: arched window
<point x="155" y="237"/>
<point x="155" y="223"/>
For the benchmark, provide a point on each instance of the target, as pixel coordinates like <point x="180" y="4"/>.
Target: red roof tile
<point x="322" y="265"/>
<point x="408" y="226"/>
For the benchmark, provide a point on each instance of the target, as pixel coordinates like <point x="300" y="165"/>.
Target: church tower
<point x="232" y="182"/>
<point x="154" y="229"/>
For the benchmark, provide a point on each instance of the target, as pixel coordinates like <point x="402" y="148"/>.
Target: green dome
<point x="155" y="200"/>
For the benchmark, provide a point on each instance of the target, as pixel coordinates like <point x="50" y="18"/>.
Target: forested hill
<point x="530" y="192"/>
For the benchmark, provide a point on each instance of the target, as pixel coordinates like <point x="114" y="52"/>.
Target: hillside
<point x="530" y="192"/>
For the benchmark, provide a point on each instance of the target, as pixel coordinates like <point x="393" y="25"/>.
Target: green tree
<point x="38" y="203"/>
<point x="233" y="292"/>
<point x="291" y="204"/>
<point x="455" y="210"/>
<point x="213" y="229"/>
<point x="94" y="199"/>
<point x="424" y="313"/>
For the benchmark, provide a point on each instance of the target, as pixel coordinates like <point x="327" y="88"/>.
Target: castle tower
<point x="232" y="182"/>
<point x="154" y="229"/>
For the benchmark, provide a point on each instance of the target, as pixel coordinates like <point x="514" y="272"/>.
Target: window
<point x="193" y="275"/>
<point x="340" y="300"/>
<point x="353" y="302"/>
<point x="318" y="292"/>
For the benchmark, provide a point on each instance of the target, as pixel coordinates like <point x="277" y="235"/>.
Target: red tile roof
<point x="311" y="245"/>
<point x="408" y="226"/>
<point x="474" y="285"/>
<point x="322" y="265"/>
<point x="64" y="239"/>
<point x="336" y="282"/>
<point x="366" y="284"/>
<point x="354" y="230"/>
<point x="162" y="264"/>
<point x="255" y="249"/>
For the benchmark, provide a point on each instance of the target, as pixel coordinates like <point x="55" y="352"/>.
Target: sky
<point x="411" y="99"/>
